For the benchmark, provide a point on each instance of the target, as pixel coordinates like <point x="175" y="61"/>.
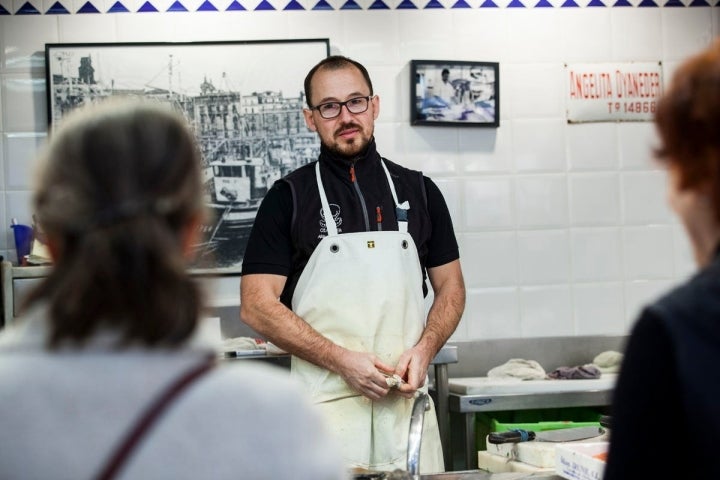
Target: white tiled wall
<point x="564" y="229"/>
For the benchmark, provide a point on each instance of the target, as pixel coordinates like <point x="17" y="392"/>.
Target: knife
<point x="561" y="435"/>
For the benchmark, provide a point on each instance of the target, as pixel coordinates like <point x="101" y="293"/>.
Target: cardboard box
<point x="581" y="461"/>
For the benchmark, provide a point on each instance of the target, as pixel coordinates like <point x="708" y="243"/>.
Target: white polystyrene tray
<point x="579" y="461"/>
<point x="498" y="386"/>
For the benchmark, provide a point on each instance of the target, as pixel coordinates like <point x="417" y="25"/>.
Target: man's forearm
<point x="443" y="318"/>
<point x="278" y="324"/>
<point x="447" y="307"/>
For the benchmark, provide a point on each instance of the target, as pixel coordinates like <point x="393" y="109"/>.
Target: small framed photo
<point x="454" y="93"/>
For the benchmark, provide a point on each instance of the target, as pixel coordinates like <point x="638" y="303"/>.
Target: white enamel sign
<point x="608" y="92"/>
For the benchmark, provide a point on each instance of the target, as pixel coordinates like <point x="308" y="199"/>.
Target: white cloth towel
<point x="609" y="361"/>
<point x="518" y="368"/>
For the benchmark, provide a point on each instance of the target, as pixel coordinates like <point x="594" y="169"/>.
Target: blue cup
<point x="23" y="241"/>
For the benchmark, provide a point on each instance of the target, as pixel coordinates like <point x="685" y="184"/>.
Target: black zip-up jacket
<point x="666" y="403"/>
<point x="289" y="223"/>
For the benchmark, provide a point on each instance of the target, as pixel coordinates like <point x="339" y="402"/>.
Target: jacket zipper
<point x="353" y="180"/>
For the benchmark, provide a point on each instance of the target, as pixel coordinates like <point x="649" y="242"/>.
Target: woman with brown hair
<point x="666" y="406"/>
<point x="106" y="375"/>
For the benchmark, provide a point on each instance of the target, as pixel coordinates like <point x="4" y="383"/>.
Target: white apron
<point x="363" y="291"/>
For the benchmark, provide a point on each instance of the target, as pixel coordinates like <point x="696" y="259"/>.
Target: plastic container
<point x="23" y="241"/>
<point x="536" y="420"/>
<point x="581" y="461"/>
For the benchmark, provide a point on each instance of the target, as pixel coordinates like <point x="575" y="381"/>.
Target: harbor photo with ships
<point x="247" y="115"/>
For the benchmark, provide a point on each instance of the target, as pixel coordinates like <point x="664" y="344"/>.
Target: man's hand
<point x="412" y="367"/>
<point x="365" y="373"/>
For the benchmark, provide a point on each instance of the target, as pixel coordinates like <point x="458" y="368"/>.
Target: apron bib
<point x="362" y="291"/>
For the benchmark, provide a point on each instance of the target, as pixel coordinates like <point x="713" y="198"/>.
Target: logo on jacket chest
<point x="335" y="210"/>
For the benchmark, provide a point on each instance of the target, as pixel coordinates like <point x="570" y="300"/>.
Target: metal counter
<point x="447" y="354"/>
<point x="469" y="475"/>
<point x="482" y="475"/>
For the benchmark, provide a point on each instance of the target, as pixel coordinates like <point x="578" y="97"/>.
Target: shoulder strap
<point x="150" y="416"/>
<point x="423" y="189"/>
<point x="401" y="209"/>
<point x="330" y="224"/>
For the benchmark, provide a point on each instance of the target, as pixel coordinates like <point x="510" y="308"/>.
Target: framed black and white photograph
<point x="243" y="99"/>
<point x="453" y="93"/>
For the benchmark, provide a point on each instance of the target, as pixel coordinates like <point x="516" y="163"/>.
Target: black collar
<point x="340" y="165"/>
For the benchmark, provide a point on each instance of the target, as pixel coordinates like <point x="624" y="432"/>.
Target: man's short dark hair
<point x="334" y="62"/>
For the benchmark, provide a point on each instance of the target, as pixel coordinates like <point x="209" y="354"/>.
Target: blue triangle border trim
<point x="323" y="5"/>
<point x="118" y="7"/>
<point x="351" y="5"/>
<point x="235" y="7"/>
<point x="177" y="7"/>
<point x="27" y="8"/>
<point x="88" y="8"/>
<point x="57" y="8"/>
<point x="148" y="6"/>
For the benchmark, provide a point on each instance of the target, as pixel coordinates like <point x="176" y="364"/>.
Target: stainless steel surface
<point x="421" y="404"/>
<point x="461" y="475"/>
<point x="442" y="411"/>
<point x="447" y="354"/>
<point x="522" y="401"/>
<point x="483" y="475"/>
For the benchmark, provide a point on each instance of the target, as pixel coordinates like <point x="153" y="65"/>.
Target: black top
<point x="289" y="223"/>
<point x="666" y="405"/>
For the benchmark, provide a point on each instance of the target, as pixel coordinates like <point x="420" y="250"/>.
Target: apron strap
<point x="329" y="220"/>
<point x="400" y="208"/>
<point x="150" y="416"/>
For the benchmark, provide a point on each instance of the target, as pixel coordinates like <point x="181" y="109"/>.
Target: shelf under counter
<point x="581" y="394"/>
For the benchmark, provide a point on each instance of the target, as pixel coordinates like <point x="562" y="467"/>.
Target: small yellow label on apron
<point x="371" y="244"/>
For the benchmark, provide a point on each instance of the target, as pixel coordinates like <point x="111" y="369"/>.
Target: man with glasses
<point x="334" y="273"/>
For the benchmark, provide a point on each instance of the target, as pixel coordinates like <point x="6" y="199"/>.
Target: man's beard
<point x="345" y="149"/>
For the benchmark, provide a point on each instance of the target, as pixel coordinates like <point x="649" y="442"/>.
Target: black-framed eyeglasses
<point x="332" y="109"/>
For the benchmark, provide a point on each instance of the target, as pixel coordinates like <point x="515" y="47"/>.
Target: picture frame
<point x="454" y="93"/>
<point x="243" y="100"/>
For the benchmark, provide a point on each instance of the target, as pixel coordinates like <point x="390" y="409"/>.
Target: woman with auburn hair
<point x="666" y="405"/>
<point x="106" y="374"/>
